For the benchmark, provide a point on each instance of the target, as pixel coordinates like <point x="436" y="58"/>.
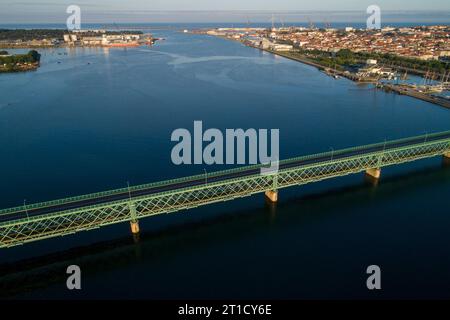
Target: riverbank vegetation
<point x="346" y="59"/>
<point x="19" y="62"/>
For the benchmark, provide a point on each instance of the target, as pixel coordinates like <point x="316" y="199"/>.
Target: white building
<point x="282" y="47"/>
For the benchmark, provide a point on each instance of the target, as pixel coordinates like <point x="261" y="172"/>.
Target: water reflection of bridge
<point x="164" y="243"/>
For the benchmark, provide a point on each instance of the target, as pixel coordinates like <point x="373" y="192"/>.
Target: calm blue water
<point x="92" y="119"/>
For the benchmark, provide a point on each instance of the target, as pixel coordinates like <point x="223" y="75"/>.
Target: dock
<point x="409" y="91"/>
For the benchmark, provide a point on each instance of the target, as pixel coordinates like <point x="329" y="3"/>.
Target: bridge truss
<point x="33" y="228"/>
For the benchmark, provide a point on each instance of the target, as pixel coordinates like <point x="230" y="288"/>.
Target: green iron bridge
<point x="40" y="221"/>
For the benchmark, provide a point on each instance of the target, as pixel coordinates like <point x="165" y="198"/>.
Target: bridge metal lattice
<point x="28" y="229"/>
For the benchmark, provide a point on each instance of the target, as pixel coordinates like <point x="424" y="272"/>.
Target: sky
<point x="94" y="11"/>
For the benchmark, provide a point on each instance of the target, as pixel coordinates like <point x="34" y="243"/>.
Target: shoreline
<point x="20" y="69"/>
<point x="414" y="94"/>
<point x="439" y="101"/>
<point x="306" y="61"/>
<point x="316" y="65"/>
<point x="4" y="46"/>
<point x="34" y="67"/>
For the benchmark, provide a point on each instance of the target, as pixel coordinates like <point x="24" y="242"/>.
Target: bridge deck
<point x="43" y="220"/>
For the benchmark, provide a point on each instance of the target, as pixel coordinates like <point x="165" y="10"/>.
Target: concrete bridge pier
<point x="134" y="227"/>
<point x="374" y="173"/>
<point x="134" y="222"/>
<point x="272" y="195"/>
<point x="446" y="159"/>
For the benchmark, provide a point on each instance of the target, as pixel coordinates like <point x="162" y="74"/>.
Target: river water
<point x="92" y="119"/>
